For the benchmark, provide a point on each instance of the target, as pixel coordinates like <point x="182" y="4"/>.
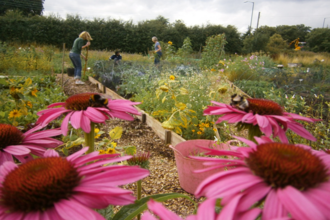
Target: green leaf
<point x="130" y="211"/>
<point x="116" y="133"/>
<point x="107" y="213"/>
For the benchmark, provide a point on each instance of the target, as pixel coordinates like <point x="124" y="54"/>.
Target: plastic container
<point x="70" y="71"/>
<point x="189" y="180"/>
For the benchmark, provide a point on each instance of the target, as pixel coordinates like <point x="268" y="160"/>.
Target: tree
<point x="28" y="7"/>
<point x="318" y="40"/>
<point x="276" y="44"/>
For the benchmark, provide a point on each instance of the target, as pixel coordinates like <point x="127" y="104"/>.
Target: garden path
<point x="163" y="176"/>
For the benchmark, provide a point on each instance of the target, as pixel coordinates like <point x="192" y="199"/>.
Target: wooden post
<point x="86" y="61"/>
<point x="144" y="118"/>
<point x="168" y="137"/>
<point x="104" y="89"/>
<point x="63" y="65"/>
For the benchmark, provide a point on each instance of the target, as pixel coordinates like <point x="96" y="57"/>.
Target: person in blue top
<point x="158" y="50"/>
<point x="116" y="57"/>
<point x="75" y="53"/>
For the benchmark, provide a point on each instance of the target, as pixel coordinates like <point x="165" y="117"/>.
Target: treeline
<point x="267" y="38"/>
<point x="110" y="34"/>
<point x="115" y="34"/>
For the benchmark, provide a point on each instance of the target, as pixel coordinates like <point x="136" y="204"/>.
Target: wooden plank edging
<point x="155" y="125"/>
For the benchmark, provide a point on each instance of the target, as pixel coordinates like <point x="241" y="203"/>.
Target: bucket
<point x="70" y="71"/>
<point x="189" y="180"/>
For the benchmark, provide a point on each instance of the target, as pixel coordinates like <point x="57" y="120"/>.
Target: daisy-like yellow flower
<point x="15" y="114"/>
<point x="214" y="129"/>
<point x="202" y="129"/>
<point x="172" y="77"/>
<point x="207" y="125"/>
<point x="102" y="152"/>
<point x="199" y="132"/>
<point x="96" y="131"/>
<point x="34" y="92"/>
<point x="110" y="150"/>
<point x="213" y="69"/>
<point x="170" y="43"/>
<point x="28" y="103"/>
<point x="193" y="130"/>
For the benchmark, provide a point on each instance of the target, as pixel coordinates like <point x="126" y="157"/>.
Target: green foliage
<point x="248" y="68"/>
<point x="186" y="50"/>
<point x="255" y="89"/>
<point x="213" y="51"/>
<point x="27" y="97"/>
<point x="26" y="7"/>
<point x="319" y="40"/>
<point x="276" y="44"/>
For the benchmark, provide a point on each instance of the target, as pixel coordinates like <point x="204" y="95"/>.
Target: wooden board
<point x="155" y="125"/>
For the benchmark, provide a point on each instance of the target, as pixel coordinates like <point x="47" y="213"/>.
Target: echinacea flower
<point x="140" y="159"/>
<point x="269" y="116"/>
<point x="289" y="180"/>
<point x="14" y="143"/>
<point x="15" y="114"/>
<point x="81" y="110"/>
<point x="206" y="211"/>
<point x="65" y="188"/>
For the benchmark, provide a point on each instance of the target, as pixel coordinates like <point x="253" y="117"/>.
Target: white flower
<point x="301" y="80"/>
<point x="215" y="139"/>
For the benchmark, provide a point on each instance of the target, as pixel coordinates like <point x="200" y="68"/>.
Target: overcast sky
<point x="198" y="12"/>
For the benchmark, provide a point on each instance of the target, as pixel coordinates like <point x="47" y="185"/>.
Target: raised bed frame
<point x="170" y="137"/>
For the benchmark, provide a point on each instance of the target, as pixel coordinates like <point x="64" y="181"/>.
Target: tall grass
<point x="306" y="58"/>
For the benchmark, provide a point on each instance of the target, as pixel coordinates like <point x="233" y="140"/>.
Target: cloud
<point x="198" y="12"/>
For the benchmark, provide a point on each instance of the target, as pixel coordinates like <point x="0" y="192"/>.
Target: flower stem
<point x="89" y="139"/>
<point x="139" y="189"/>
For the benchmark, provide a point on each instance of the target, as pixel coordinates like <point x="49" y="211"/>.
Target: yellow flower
<point x="214" y="129"/>
<point x="114" y="144"/>
<point x="221" y="62"/>
<point x="193" y="130"/>
<point x="222" y="90"/>
<point x="111" y="151"/>
<point x="96" y="131"/>
<point x="102" y="151"/>
<point x="213" y="69"/>
<point x="207" y="125"/>
<point x="34" y="92"/>
<point x="164" y="88"/>
<point x="28" y="103"/>
<point x="165" y="84"/>
<point x="170" y="43"/>
<point x="199" y="132"/>
<point x="15" y="114"/>
<point x="172" y="77"/>
<point x="202" y="129"/>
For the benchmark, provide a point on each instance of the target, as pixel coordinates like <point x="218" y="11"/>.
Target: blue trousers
<point x="157" y="57"/>
<point x="76" y="61"/>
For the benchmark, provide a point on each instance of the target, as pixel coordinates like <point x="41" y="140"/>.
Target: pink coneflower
<point x="206" y="211"/>
<point x="266" y="115"/>
<point x="14" y="143"/>
<point x="65" y="188"/>
<point x="289" y="180"/>
<point x="84" y="108"/>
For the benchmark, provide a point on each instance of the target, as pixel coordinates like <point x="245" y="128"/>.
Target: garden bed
<point x="163" y="176"/>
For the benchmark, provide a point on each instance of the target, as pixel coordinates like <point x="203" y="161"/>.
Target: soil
<point x="163" y="176"/>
